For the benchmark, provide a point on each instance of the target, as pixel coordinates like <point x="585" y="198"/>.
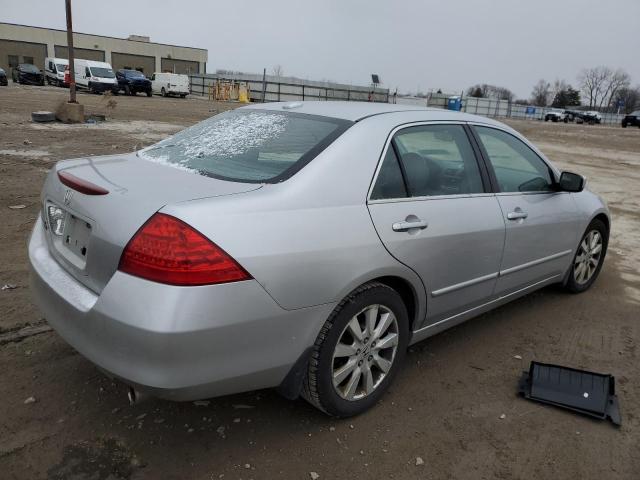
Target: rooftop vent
<point x="139" y="38"/>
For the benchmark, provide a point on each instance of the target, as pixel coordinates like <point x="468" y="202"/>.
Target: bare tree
<point x="592" y="82"/>
<point x="558" y="86"/>
<point x="617" y="80"/>
<point x="630" y="98"/>
<point x="278" y="71"/>
<point x="490" y="91"/>
<point x="541" y="93"/>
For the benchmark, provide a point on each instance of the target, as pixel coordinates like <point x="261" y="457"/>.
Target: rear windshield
<point x="248" y="145"/>
<point x="102" y="72"/>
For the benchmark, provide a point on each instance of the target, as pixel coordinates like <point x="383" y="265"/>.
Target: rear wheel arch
<point x="407" y="293"/>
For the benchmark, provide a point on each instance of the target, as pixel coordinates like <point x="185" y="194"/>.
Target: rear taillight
<point x="167" y="250"/>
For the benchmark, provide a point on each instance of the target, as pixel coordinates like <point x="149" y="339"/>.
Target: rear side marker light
<point x="167" y="250"/>
<point x="80" y="185"/>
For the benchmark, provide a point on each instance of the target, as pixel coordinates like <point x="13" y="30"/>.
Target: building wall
<point x="20" y="39"/>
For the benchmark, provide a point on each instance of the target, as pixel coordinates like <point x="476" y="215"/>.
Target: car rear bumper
<point x="179" y="343"/>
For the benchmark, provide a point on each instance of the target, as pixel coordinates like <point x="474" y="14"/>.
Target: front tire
<point x="163" y="92"/>
<point x="589" y="257"/>
<point x="358" y="351"/>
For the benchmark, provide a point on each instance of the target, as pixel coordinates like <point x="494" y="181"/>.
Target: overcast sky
<point x="411" y="44"/>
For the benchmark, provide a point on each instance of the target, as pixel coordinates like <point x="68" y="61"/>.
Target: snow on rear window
<point x="246" y="145"/>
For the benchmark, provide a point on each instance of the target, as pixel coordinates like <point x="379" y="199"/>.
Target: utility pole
<point x="72" y="75"/>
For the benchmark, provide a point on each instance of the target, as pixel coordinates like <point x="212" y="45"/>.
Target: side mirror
<point x="571" y="182"/>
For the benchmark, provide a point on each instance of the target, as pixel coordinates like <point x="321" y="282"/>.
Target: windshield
<point x="61" y="67"/>
<point x="134" y="74"/>
<point x="27" y="67"/>
<point x="248" y="145"/>
<point x="636" y="113"/>
<point x="102" y="72"/>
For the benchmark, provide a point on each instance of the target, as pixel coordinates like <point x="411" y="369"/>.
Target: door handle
<point x="517" y="214"/>
<point x="404" y="226"/>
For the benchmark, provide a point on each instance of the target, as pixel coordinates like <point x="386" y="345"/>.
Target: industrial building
<point x="26" y="44"/>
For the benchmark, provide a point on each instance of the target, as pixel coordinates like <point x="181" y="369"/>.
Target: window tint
<point x="438" y="160"/>
<point x="517" y="167"/>
<point x="248" y="145"/>
<point x="389" y="183"/>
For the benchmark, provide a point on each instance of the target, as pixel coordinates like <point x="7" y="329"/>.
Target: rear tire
<point x="127" y="90"/>
<point x="148" y="93"/>
<point x="589" y="257"/>
<point x="349" y="372"/>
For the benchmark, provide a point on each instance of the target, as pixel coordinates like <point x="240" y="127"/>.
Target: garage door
<point x="142" y="63"/>
<point x="84" y="53"/>
<point x="175" y="65"/>
<point x="13" y="52"/>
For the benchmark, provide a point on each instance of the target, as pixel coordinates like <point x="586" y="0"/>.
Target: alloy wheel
<point x="588" y="257"/>
<point x="365" y="352"/>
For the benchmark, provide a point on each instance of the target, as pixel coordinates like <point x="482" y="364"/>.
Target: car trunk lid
<point x="88" y="228"/>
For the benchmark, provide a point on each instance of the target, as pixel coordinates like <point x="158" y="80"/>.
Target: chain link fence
<point x="489" y="107"/>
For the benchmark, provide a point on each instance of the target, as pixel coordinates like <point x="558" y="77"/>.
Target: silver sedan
<point x="302" y="246"/>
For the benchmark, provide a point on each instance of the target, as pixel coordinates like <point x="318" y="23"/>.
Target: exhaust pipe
<point x="135" y="397"/>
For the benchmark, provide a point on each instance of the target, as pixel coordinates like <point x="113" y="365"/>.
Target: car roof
<point x="355" y="111"/>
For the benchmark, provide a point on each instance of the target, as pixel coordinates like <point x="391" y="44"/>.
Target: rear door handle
<point x="404" y="226"/>
<point x="517" y="214"/>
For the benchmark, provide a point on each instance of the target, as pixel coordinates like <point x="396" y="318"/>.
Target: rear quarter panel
<point x="309" y="240"/>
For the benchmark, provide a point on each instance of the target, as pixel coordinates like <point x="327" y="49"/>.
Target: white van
<point x="170" y="84"/>
<point x="54" y="71"/>
<point x="97" y="77"/>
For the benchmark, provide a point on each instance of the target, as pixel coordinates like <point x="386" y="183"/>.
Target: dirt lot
<point x="445" y="407"/>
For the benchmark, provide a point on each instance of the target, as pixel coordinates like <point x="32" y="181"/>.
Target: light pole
<point x="72" y="75"/>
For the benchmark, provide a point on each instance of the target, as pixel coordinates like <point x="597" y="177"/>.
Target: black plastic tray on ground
<point x="584" y="392"/>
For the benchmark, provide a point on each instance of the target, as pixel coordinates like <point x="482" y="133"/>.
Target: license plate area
<point x="76" y="236"/>
<point x="72" y="238"/>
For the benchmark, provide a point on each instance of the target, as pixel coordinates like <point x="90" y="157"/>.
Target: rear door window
<point x="249" y="145"/>
<point x="434" y="160"/>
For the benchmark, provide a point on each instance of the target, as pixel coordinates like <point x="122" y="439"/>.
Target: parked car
<point x="571" y="115"/>
<point x="592" y="117"/>
<point x="54" y="71"/>
<point x="633" y="119"/>
<point x="555" y="115"/>
<point x="302" y="246"/>
<point x="167" y="84"/>
<point x="97" y="77"/>
<point x="27" y="74"/>
<point x="132" y="82"/>
<point x="3" y="78"/>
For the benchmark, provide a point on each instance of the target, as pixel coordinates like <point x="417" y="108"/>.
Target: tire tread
<point x="310" y="383"/>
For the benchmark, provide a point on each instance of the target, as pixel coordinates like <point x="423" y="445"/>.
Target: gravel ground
<point x="454" y="405"/>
